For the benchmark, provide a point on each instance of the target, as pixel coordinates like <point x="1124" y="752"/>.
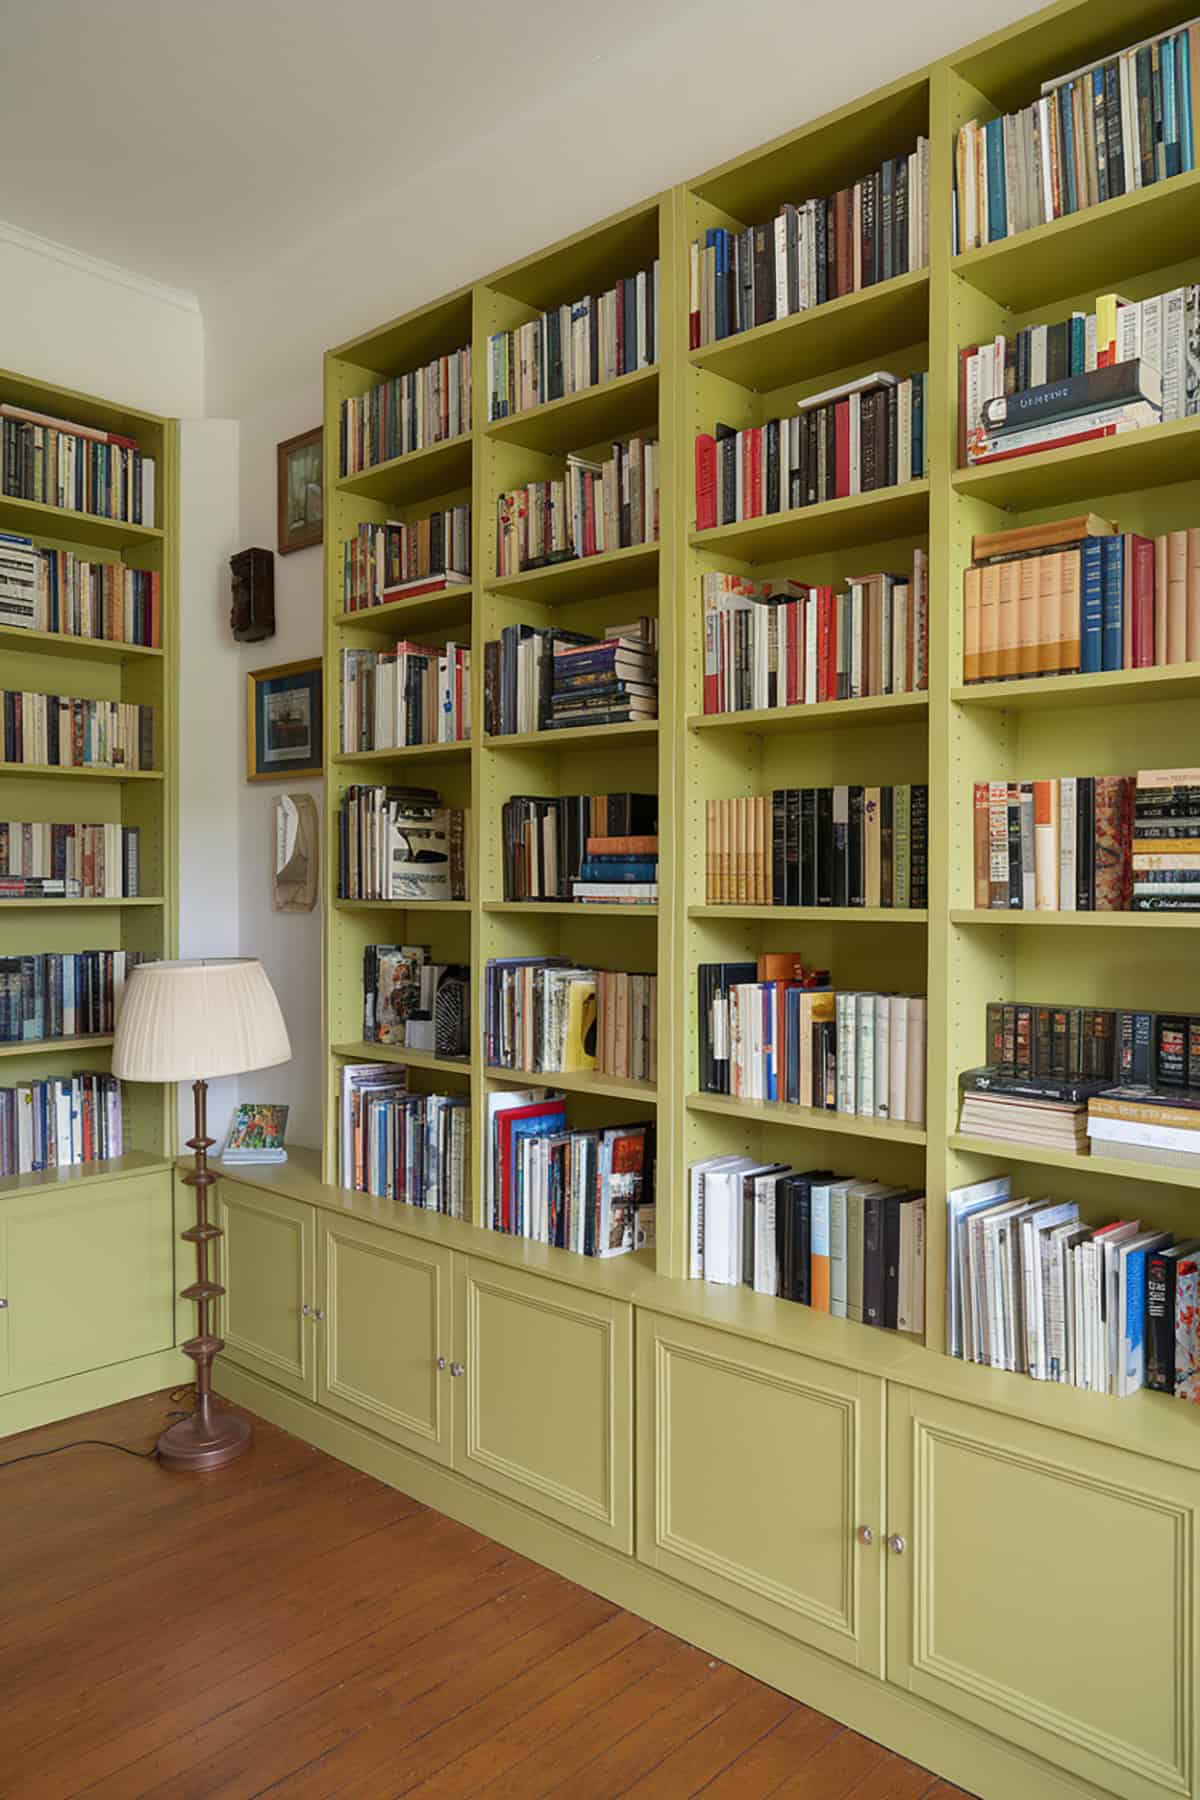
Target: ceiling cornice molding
<point x="94" y="265"/>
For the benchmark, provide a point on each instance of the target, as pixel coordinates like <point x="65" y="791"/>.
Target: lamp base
<point x="197" y="1445"/>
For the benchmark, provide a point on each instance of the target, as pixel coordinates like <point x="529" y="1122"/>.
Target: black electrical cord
<point x="103" y="1443"/>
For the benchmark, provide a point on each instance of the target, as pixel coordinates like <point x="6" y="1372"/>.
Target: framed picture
<point x="283" y="721"/>
<point x="298" y="492"/>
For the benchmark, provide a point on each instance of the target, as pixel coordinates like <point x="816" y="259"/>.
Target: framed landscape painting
<point x="283" y="721"/>
<point x="298" y="492"/>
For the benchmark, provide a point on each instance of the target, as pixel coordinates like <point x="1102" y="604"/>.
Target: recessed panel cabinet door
<point x="386" y="1301"/>
<point x="88" y="1278"/>
<point x="268" y="1266"/>
<point x="1045" y="1589"/>
<point x="759" y="1478"/>
<point x="543" y="1406"/>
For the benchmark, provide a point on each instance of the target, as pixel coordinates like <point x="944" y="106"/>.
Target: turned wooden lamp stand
<point x="184" y="1021"/>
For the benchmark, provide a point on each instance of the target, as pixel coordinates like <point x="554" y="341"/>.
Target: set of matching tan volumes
<point x="739" y="861"/>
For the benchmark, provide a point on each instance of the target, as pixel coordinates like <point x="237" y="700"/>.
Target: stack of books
<point x="411" y="1000"/>
<point x="833" y="846"/>
<point x="39" y="860"/>
<point x="400" y="1146"/>
<point x="782" y="643"/>
<point x="1101" y="131"/>
<point x="256" y="1135"/>
<point x="597" y="506"/>
<point x="1116" y="369"/>
<point x="407" y="412"/>
<point x="1062" y="845"/>
<point x="539" y="678"/>
<point x="401" y="843"/>
<point x="1031" y="1287"/>
<point x="813" y="252"/>
<point x="776" y="1031"/>
<point x="60" y="1122"/>
<point x="62" y="994"/>
<point x="546" y="1014"/>
<point x="55" y="590"/>
<point x="845" y="1246"/>
<point x="1166" y="840"/>
<point x="382" y="563"/>
<point x="408" y="694"/>
<point x="547" y="840"/>
<point x="1147" y="1125"/>
<point x="574" y="346"/>
<point x="58" y="463"/>
<point x="854" y="439"/>
<point x="59" y="731"/>
<point x="587" y="1191"/>
<point x="618" y="871"/>
<point x="1075" y="596"/>
<point x="1044" y="1063"/>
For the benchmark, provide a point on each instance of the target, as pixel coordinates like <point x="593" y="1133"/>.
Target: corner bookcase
<point x="67" y="1338"/>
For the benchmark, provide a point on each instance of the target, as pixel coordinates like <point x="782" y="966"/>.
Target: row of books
<point x="854" y="439"/>
<point x="401" y="843"/>
<point x="783" y="643"/>
<point x="1078" y="597"/>
<point x="1032" y="1288"/>
<point x="62" y="994"/>
<point x="60" y="731"/>
<point x="55" y="590"/>
<point x="809" y="253"/>
<point x="1166" y="840"/>
<point x="1123" y="366"/>
<point x="407" y="412"/>
<point x="774" y="1031"/>
<point x="60" y="1123"/>
<point x="413" y="1001"/>
<point x="59" y="463"/>
<point x="1105" y="130"/>
<point x="41" y="860"/>
<point x="549" y="1015"/>
<point x="587" y="1191"/>
<point x="407" y="694"/>
<point x="1062" y="845"/>
<point x="575" y="346"/>
<point x="542" y="678"/>
<point x="845" y="1246"/>
<point x="596" y="506"/>
<point x="400" y="1146"/>
<point x="394" y="561"/>
<point x="827" y="846"/>
<point x="547" y="841"/>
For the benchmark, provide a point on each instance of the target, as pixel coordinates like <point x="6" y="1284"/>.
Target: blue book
<point x="1183" y="102"/>
<point x="997" y="205"/>
<point x="1172" y="161"/>
<point x="595" y="870"/>
<point x="1112" y="605"/>
<point x="549" y="1125"/>
<point x="1132" y="1372"/>
<point x="791" y="1001"/>
<point x="1066" y="115"/>
<point x="770" y="1060"/>
<point x="1091" y="605"/>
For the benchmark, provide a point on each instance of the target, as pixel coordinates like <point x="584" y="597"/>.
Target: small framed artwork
<point x="298" y="492"/>
<point x="283" y="721"/>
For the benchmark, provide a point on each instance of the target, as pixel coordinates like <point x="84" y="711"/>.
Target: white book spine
<point x="865" y="1056"/>
<point x="1067" y="800"/>
<point x="883" y="1015"/>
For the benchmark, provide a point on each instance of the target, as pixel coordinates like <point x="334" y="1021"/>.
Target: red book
<point x="794" y="663"/>
<point x="841" y="441"/>
<point x="754" y="497"/>
<point x="706" y="481"/>
<point x="1080" y="437"/>
<point x="505" y="1122"/>
<point x="408" y="590"/>
<point x="1143" y="601"/>
<point x="826" y="661"/>
<point x="693" y="331"/>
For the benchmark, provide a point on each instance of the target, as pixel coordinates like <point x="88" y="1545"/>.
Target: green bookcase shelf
<point x="859" y="519"/>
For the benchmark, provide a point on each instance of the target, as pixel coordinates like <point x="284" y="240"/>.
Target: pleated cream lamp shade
<point x="195" y="1021"/>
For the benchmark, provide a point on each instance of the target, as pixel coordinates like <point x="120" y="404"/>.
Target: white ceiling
<point x="183" y="138"/>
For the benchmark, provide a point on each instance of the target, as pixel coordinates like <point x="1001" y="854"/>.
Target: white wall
<point x="563" y="158"/>
<point x="68" y="319"/>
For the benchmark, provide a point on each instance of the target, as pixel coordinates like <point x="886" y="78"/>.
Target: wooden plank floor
<point x="291" y="1627"/>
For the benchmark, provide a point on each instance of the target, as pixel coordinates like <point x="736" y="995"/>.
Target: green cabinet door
<point x="386" y="1301"/>
<point x="88" y="1278"/>
<point x="543" y="1401"/>
<point x="1043" y="1586"/>
<point x="268" y="1265"/>
<point x="760" y="1483"/>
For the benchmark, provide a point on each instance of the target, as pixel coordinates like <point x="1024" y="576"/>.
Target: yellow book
<point x="989" y="625"/>
<point x="1007" y="626"/>
<point x="579" y="1051"/>
<point x="972" y="587"/>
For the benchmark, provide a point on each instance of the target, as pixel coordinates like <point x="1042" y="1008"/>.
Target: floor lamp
<point x="196" y="1021"/>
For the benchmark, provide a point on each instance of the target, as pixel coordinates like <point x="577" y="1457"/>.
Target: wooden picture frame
<point x="284" y="722"/>
<point x="299" y="501"/>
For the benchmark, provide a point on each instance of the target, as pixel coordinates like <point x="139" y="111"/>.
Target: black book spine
<point x="771" y="451"/>
<point x="802" y="1275"/>
<point x="1014" y="848"/>
<point x="764" y="274"/>
<point x="1085" y="844"/>
<point x="900" y="213"/>
<point x="792" y="886"/>
<point x="873" y="1264"/>
<point x="779" y="847"/>
<point x="890" y="405"/>
<point x="886" y="845"/>
<point x="918" y="859"/>
<point x="891" y="1260"/>
<point x="785" y="1236"/>
<point x="1170" y="1050"/>
<point x="856" y="874"/>
<point x="825" y="857"/>
<point x="1160" y="1323"/>
<point x="841" y="846"/>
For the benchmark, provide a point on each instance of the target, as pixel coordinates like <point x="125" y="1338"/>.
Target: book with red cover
<point x="841" y="443"/>
<point x="1114" y="842"/>
<point x="541" y="1117"/>
<point x="1141" y="551"/>
<point x="706" y="481"/>
<point x="1080" y="437"/>
<point x="753" y="494"/>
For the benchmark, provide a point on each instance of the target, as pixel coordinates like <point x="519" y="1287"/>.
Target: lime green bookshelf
<point x="856" y="521"/>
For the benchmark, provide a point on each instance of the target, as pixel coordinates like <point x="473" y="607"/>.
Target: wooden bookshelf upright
<point x="960" y="1557"/>
<point x="86" y="1253"/>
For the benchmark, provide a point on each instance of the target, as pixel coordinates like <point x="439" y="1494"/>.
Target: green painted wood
<point x="268" y="1267"/>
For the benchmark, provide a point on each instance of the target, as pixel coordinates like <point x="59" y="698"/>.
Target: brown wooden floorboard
<point x="292" y="1628"/>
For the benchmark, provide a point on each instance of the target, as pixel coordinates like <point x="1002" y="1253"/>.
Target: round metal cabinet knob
<point x="457" y="1369"/>
<point x="865" y="1535"/>
<point x="441" y="1362"/>
<point x="896" y="1544"/>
